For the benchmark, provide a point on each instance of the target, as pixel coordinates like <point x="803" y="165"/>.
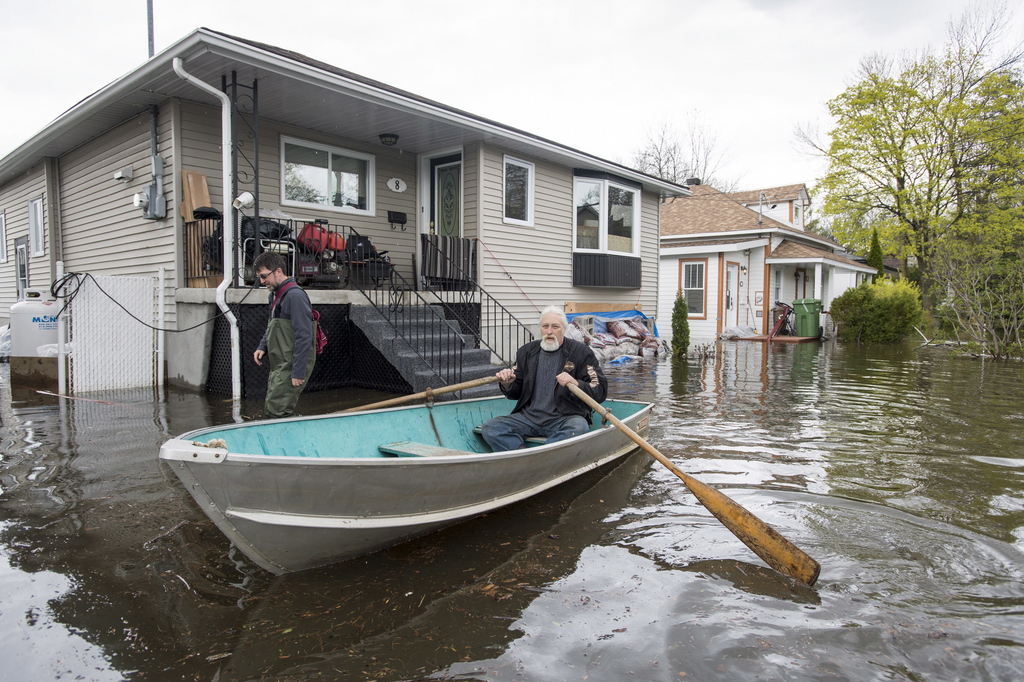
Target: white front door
<point x="732" y="282"/>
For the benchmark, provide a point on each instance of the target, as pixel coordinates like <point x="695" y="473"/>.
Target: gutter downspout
<point x="226" y="210"/>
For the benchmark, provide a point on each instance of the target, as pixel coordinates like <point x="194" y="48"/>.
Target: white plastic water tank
<point x="33" y="324"/>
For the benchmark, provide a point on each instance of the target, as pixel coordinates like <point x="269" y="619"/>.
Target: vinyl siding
<point x="539" y="258"/>
<point x="14" y="198"/>
<point x="103" y="232"/>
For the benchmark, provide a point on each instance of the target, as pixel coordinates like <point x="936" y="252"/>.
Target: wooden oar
<point x="424" y="395"/>
<point x="765" y="541"/>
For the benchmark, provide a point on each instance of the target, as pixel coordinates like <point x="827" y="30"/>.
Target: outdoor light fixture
<point x="244" y="200"/>
<point x="388" y="139"/>
<point x="743" y="269"/>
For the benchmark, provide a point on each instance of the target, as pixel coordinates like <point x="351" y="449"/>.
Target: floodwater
<point x="900" y="470"/>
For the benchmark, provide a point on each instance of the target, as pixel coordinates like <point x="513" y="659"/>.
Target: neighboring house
<point x="787" y="204"/>
<point x="732" y="262"/>
<point x="543" y="223"/>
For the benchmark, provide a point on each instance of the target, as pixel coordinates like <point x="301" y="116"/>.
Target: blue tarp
<point x="601" y="318"/>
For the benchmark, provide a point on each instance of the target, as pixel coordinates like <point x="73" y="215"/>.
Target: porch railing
<point x="434" y="339"/>
<point x="447" y="277"/>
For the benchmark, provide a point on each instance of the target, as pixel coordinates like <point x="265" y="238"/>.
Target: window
<point x="3" y="237"/>
<point x="607" y="216"/>
<point x="778" y="287"/>
<point x="691" y="286"/>
<point x="21" y="265"/>
<point x="35" y="227"/>
<point x="324" y="177"/>
<point x="519" y="178"/>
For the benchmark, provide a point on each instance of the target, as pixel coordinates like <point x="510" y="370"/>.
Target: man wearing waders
<point x="288" y="343"/>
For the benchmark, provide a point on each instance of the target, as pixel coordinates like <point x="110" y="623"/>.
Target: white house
<point x="732" y="260"/>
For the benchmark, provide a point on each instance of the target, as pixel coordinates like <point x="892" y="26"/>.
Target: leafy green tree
<point x="923" y="142"/>
<point x="680" y="327"/>
<point x="885" y="311"/>
<point x="875" y="257"/>
<point x="981" y="270"/>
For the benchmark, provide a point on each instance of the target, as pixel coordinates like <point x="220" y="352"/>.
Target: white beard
<point x="549" y="344"/>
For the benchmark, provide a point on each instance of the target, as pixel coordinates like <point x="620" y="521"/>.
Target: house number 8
<point x="396" y="185"/>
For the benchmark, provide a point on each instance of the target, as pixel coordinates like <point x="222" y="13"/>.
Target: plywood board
<point x="195" y="193"/>
<point x="572" y="308"/>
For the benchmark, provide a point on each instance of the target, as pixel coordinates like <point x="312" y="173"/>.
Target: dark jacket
<point x="577" y="359"/>
<point x="295" y="307"/>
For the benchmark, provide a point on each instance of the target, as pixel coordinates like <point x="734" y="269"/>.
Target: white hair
<point x="554" y="310"/>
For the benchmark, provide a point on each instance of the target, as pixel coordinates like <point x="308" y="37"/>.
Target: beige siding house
<point x="544" y="223"/>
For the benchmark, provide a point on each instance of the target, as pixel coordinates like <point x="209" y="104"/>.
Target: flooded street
<point x="901" y="471"/>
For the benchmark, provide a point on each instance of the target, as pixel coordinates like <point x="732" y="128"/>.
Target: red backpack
<point x="319" y="338"/>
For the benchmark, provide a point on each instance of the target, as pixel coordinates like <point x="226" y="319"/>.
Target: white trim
<point x="423" y="188"/>
<point x="818" y="259"/>
<point x="371" y="177"/>
<point x="712" y="248"/>
<point x="3" y="236"/>
<point x="36" y="227"/>
<point x="530" y="186"/>
<point x="787" y="233"/>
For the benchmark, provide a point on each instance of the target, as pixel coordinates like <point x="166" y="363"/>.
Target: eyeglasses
<point x="263" y="276"/>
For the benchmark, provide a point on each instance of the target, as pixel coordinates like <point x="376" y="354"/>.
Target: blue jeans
<point x="509" y="432"/>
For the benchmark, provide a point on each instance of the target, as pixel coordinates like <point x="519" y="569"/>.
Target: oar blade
<point x="762" y="539"/>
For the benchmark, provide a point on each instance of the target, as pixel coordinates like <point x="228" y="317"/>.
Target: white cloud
<point x="592" y="74"/>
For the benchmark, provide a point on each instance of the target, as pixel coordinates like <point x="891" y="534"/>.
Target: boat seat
<point x="532" y="440"/>
<point x="407" y="448"/>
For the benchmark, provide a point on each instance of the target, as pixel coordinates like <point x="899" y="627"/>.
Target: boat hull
<point x="290" y="513"/>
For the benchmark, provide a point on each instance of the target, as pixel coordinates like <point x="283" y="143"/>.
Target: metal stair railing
<point x="494" y="327"/>
<point x="436" y="343"/>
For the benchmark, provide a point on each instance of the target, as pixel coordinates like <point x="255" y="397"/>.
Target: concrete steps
<point x="426" y="348"/>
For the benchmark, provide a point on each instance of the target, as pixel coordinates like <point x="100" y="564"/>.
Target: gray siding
<point x="539" y="258"/>
<point x="103" y="232"/>
<point x="14" y="198"/>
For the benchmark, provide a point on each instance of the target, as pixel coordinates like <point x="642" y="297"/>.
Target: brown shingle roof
<point x="790" y="249"/>
<point x="709" y="210"/>
<point x="771" y="194"/>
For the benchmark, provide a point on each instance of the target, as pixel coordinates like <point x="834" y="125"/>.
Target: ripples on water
<point x="900" y="471"/>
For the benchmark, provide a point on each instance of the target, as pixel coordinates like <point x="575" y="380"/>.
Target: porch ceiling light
<point x="388" y="139"/>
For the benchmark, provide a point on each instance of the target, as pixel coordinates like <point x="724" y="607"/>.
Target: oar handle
<point x="762" y="539"/>
<point x="423" y="395"/>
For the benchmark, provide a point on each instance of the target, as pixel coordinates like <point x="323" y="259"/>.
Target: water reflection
<point x="899" y="470"/>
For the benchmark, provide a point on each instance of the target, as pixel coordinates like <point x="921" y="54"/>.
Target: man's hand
<point x="564" y="379"/>
<point x="257" y="356"/>
<point x="298" y="382"/>
<point x="506" y="376"/>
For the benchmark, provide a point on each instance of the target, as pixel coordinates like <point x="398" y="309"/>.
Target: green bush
<point x="883" y="312"/>
<point x="680" y="327"/>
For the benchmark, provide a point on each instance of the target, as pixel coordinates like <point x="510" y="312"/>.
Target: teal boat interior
<point x="444" y="428"/>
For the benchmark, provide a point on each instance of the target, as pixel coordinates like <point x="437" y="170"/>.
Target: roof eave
<point x="203" y="40"/>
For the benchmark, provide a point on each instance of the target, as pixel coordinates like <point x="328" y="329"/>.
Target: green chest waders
<point x="281" y="395"/>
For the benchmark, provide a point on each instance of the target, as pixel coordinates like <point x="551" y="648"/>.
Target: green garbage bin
<point x="808" y="316"/>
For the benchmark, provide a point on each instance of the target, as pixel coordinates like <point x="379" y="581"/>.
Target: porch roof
<point x="790" y="251"/>
<point x="302" y="92"/>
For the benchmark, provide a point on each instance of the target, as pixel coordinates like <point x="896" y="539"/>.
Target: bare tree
<point x="696" y="154"/>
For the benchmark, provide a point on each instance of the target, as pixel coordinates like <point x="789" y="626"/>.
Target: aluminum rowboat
<point x="298" y="493"/>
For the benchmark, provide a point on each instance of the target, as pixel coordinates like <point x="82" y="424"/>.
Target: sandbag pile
<point x="627" y="336"/>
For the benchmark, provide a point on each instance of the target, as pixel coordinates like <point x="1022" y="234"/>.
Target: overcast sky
<point x="595" y="75"/>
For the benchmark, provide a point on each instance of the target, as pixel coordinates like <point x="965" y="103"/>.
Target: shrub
<point x="883" y="312"/>
<point x="680" y="327"/>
